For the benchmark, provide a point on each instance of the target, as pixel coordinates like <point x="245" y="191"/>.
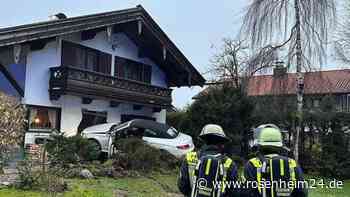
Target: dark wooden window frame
<point x="58" y="118"/>
<point x="146" y="70"/>
<point x="99" y="54"/>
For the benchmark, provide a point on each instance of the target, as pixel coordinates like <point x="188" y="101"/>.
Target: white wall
<point x="38" y="74"/>
<point x="72" y="112"/>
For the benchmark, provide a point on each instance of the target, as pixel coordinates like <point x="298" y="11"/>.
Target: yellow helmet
<point x="213" y="130"/>
<point x="268" y="135"/>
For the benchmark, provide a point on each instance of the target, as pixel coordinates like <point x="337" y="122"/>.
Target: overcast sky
<point x="195" y="26"/>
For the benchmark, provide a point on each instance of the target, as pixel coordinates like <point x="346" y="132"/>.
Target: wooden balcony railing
<point x="69" y="80"/>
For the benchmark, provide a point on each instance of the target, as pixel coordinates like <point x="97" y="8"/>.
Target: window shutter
<point x="104" y="63"/>
<point x="92" y="60"/>
<point x="119" y="67"/>
<point x="147" y="73"/>
<point x="69" y="54"/>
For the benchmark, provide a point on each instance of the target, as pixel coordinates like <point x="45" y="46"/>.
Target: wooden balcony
<point x="74" y="81"/>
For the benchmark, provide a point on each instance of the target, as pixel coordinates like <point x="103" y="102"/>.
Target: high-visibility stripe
<point x="282" y="167"/>
<point x="292" y="166"/>
<point x="257" y="164"/>
<point x="228" y="163"/>
<point x="225" y="167"/>
<point x="191" y="158"/>
<point x="207" y="167"/>
<point x="258" y="177"/>
<point x="271" y="173"/>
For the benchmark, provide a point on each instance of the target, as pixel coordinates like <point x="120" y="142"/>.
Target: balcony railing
<point x="68" y="80"/>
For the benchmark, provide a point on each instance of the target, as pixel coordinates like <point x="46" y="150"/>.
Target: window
<point x="151" y="133"/>
<point x="316" y="103"/>
<point x="169" y="133"/>
<point x="128" y="117"/>
<point x="172" y="132"/>
<point x="79" y="56"/>
<point x="343" y="103"/>
<point x="128" y="69"/>
<point x="43" y="118"/>
<point x="91" y="118"/>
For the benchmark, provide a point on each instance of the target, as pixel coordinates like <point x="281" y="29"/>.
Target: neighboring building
<point x="317" y="85"/>
<point x="72" y="73"/>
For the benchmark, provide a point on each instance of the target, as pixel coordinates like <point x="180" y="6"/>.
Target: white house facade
<point x="72" y="73"/>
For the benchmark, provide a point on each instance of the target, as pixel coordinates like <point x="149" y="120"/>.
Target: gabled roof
<point x="321" y="82"/>
<point x="316" y="83"/>
<point x="153" y="39"/>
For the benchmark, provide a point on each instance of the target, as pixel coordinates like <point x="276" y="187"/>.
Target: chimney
<point x="57" y="16"/>
<point x="279" y="70"/>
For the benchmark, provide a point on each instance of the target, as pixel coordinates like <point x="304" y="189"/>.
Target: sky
<point x="197" y="27"/>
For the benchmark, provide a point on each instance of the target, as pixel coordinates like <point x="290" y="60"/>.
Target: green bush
<point x="135" y="154"/>
<point x="70" y="150"/>
<point x="329" y="156"/>
<point x="228" y="107"/>
<point x="28" y="176"/>
<point x="34" y="177"/>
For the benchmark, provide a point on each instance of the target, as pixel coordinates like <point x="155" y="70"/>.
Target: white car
<point x="155" y="134"/>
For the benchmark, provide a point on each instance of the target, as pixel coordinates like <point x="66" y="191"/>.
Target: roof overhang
<point x="135" y="22"/>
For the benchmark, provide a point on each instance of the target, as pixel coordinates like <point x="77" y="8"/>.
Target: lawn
<point x="323" y="192"/>
<point x="153" y="186"/>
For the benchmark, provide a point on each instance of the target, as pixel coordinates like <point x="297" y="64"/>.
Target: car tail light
<point x="183" y="147"/>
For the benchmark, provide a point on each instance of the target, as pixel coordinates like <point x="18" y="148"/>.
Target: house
<point x="72" y="73"/>
<point x="318" y="84"/>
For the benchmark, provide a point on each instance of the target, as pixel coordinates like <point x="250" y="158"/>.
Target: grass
<point x="154" y="186"/>
<point x="322" y="191"/>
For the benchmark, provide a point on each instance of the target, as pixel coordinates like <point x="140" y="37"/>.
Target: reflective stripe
<point x="243" y="178"/>
<point x="192" y="161"/>
<point x="258" y="177"/>
<point x="292" y="166"/>
<point x="292" y="163"/>
<point x="282" y="167"/>
<point x="227" y="165"/>
<point x="271" y="173"/>
<point x="191" y="158"/>
<point x="207" y="167"/>
<point x="257" y="164"/>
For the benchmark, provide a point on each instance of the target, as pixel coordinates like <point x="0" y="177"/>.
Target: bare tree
<point x="301" y="26"/>
<point x="230" y="62"/>
<point x="342" y="36"/>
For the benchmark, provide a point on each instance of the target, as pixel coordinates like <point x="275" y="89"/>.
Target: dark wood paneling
<point x="91" y="84"/>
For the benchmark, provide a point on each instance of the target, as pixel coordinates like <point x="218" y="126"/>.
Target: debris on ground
<point x="86" y="174"/>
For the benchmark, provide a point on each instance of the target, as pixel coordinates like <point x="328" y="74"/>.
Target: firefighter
<point x="269" y="173"/>
<point x="209" y="164"/>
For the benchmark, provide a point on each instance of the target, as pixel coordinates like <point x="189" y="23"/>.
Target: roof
<point x="153" y="38"/>
<point x="316" y="83"/>
<point x="321" y="82"/>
